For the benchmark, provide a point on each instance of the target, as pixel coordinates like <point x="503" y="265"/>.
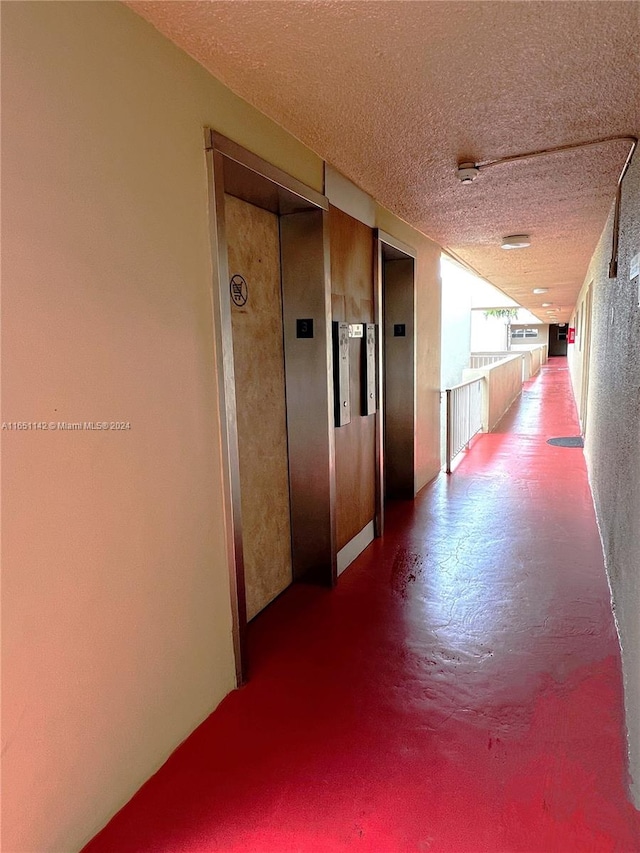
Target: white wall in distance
<point x="457" y="287"/>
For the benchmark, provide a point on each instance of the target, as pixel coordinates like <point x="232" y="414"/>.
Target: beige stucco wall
<point x="117" y="627"/>
<point x="612" y="443"/>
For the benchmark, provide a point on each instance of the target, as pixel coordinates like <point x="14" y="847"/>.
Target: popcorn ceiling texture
<point x="395" y="94"/>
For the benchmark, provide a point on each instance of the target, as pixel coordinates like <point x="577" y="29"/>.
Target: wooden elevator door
<point x="253" y="244"/>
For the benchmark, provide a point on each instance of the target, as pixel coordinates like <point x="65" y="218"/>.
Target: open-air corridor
<point x="459" y="691"/>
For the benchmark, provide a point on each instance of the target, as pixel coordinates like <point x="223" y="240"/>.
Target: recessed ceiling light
<point x="516" y="241"/>
<point x="540" y="289"/>
<point x="546" y="304"/>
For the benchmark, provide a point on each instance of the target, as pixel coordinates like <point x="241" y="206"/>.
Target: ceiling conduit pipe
<point x="633" y="140"/>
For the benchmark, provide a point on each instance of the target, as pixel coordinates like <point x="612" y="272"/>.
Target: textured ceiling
<point x="395" y="94"/>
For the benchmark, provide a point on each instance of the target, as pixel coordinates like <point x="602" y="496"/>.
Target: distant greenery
<point x="509" y="313"/>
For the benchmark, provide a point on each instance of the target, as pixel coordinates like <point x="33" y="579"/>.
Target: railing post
<point x="449" y="426"/>
<point x="468" y="415"/>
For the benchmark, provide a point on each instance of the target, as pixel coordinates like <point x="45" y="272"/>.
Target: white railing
<point x="533" y="357"/>
<point x="503" y="383"/>
<point x="491" y="383"/>
<point x="484" y="358"/>
<point x="464" y="416"/>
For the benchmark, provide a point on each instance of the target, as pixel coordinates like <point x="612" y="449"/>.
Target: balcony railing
<point x="464" y="416"/>
<point x="482" y="359"/>
<point x="533" y="357"/>
<point x="491" y="384"/>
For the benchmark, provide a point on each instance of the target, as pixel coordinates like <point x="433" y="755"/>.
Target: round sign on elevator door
<point x="239" y="290"/>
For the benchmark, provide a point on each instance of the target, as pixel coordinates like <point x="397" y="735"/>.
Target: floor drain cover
<point x="567" y="441"/>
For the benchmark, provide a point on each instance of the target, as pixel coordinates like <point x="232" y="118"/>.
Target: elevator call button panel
<point x="368" y="377"/>
<point x="341" y="373"/>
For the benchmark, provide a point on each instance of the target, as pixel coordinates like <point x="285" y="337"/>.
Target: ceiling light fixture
<point x="516" y="241"/>
<point x="546" y="304"/>
<point x="540" y="289"/>
<point x="467" y="173"/>
<point x="574" y="146"/>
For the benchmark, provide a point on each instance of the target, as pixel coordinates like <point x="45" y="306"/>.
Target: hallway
<point x="459" y="691"/>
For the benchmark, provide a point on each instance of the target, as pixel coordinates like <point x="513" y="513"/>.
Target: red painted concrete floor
<point x="460" y="691"/>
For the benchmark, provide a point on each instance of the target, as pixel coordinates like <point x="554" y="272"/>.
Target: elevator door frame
<point x="306" y="291"/>
<point x="389" y="248"/>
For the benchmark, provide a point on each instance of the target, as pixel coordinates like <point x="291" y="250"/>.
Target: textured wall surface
<point x="613" y="438"/>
